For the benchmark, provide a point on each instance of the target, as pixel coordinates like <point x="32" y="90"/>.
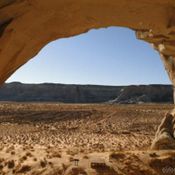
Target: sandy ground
<point x="58" y="139"/>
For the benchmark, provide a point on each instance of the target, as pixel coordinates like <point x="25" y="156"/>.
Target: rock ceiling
<point x="26" y="26"/>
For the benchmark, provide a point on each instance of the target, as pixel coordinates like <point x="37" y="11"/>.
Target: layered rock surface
<point x="28" y="25"/>
<point x="145" y="94"/>
<point x="49" y="92"/>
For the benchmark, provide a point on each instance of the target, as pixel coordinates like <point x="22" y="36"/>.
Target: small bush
<point x="117" y="156"/>
<point x="10" y="164"/>
<point x="43" y="163"/>
<point x="24" y="169"/>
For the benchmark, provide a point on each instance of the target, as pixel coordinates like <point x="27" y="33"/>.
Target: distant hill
<point x="145" y="94"/>
<point x="49" y="92"/>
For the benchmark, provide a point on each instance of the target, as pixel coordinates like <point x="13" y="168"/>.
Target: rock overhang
<point x="26" y="26"/>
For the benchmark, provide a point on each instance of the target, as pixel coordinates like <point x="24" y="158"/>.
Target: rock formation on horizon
<point x="50" y="92"/>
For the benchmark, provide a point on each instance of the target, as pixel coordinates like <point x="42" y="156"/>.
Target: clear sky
<point x="110" y="56"/>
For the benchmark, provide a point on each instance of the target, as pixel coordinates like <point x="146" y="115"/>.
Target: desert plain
<point x="82" y="139"/>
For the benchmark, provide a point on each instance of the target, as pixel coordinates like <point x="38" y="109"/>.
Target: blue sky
<point x="110" y="56"/>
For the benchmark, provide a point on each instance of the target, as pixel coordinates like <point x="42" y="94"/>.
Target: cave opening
<point x="111" y="56"/>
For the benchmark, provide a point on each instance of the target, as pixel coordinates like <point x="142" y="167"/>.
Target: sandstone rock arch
<point x="27" y="25"/>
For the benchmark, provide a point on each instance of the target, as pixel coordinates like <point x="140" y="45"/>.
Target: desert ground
<point x="81" y="139"/>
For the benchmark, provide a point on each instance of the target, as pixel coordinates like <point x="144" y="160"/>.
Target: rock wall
<point x="49" y="92"/>
<point x="28" y="25"/>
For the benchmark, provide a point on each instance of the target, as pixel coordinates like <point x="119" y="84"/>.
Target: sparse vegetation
<point x="117" y="156"/>
<point x="23" y="158"/>
<point x="24" y="169"/>
<point x="28" y="154"/>
<point x="85" y="157"/>
<point x="11" y="164"/>
<point x="43" y="163"/>
<point x="46" y="139"/>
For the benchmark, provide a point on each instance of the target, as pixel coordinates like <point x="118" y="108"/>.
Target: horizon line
<point x="39" y="83"/>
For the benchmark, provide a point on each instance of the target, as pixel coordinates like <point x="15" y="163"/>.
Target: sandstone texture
<point x="165" y="137"/>
<point x="28" y="25"/>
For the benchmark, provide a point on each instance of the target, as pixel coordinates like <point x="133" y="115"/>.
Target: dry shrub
<point x="11" y="164"/>
<point x="153" y="155"/>
<point x="2" y="160"/>
<point x="116" y="156"/>
<point x="35" y="159"/>
<point x="85" y="157"/>
<point x="28" y="154"/>
<point x="13" y="153"/>
<point x="24" y="169"/>
<point x="23" y="158"/>
<point x="43" y="163"/>
<point x="50" y="163"/>
<point x="1" y="166"/>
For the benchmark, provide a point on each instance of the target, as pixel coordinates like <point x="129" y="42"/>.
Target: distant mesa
<point x="50" y="92"/>
<point x="145" y="94"/>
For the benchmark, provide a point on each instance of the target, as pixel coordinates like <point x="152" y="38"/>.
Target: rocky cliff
<point x="145" y="94"/>
<point x="86" y="93"/>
